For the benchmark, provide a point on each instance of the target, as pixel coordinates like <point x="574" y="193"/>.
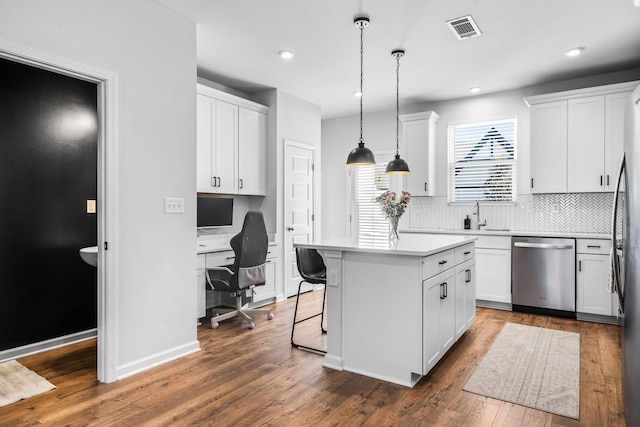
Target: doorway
<point x="106" y="210"/>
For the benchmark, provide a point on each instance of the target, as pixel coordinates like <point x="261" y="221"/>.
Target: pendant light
<point x="397" y="166"/>
<point x="361" y="155"/>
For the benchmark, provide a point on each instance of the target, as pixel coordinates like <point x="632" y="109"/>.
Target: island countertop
<point x="419" y="245"/>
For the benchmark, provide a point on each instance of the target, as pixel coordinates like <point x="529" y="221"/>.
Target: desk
<point x="219" y="254"/>
<point x="393" y="310"/>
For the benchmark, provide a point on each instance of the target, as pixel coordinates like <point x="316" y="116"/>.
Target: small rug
<point x="18" y="382"/>
<point x="534" y="367"/>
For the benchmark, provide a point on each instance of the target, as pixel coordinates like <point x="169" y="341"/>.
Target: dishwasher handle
<point x="543" y="245"/>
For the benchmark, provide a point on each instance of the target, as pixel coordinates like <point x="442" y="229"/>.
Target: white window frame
<point x="474" y="144"/>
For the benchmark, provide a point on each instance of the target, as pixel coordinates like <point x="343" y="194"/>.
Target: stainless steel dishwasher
<point x="543" y="275"/>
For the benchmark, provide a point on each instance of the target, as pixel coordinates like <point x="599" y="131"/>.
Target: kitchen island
<point x="395" y="308"/>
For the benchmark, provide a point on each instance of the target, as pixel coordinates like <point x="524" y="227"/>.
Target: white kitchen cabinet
<point x="419" y="142"/>
<point x="576" y="138"/>
<point x="614" y="136"/>
<point x="592" y="270"/>
<point x="439" y="332"/>
<point x="265" y="294"/>
<point x="493" y="270"/>
<point x="585" y="144"/>
<point x="231" y="144"/>
<point x="465" y="296"/>
<point x="549" y="147"/>
<point x="252" y="152"/>
<point x="201" y="309"/>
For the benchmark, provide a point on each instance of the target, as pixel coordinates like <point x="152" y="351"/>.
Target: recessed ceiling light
<point x="286" y="54"/>
<point x="357" y="94"/>
<point x="575" y="51"/>
<point x="475" y="89"/>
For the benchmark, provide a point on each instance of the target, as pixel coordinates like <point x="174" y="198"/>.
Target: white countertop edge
<point x="204" y="248"/>
<point x="403" y="247"/>
<point x="462" y="232"/>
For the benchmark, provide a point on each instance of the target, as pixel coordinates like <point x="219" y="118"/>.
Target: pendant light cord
<point x="361" y="78"/>
<point x="397" y="105"/>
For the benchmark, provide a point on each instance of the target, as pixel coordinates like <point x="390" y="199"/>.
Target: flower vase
<point x="393" y="229"/>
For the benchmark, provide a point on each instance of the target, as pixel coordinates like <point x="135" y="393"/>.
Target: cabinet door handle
<point x="425" y="187"/>
<point x="443" y="262"/>
<point x="241" y="183"/>
<point x="468" y="275"/>
<point x="219" y="182"/>
<point x="580" y="265"/>
<point x="601" y="180"/>
<point x="213" y="181"/>
<point x="442" y="290"/>
<point x="531" y="182"/>
<point x="446" y="289"/>
<point x="607" y="179"/>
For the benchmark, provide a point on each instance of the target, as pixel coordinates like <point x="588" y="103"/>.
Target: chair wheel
<point x="214" y="324"/>
<point x="270" y="316"/>
<point x="251" y="325"/>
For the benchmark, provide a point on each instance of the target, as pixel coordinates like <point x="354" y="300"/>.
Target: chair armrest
<point x="218" y="274"/>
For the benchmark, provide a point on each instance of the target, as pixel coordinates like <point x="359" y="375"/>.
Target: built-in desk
<point x="393" y="310"/>
<point x="219" y="254"/>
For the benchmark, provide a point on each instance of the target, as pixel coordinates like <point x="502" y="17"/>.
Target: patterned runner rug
<point x="534" y="367"/>
<point x="18" y="382"/>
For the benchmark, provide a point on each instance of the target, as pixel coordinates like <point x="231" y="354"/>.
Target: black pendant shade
<point x="361" y="155"/>
<point x="397" y="166"/>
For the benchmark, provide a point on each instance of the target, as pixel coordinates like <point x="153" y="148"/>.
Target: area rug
<point x="18" y="382"/>
<point x="534" y="367"/>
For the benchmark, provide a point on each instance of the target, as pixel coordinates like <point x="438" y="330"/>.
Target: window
<point x="368" y="182"/>
<point x="482" y="162"/>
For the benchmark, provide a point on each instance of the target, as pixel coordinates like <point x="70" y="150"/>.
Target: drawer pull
<point x="594" y="246"/>
<point x="231" y="257"/>
<point x="467" y="252"/>
<point x="443" y="262"/>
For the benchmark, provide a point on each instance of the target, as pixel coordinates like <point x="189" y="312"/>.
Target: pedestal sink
<point x="90" y="255"/>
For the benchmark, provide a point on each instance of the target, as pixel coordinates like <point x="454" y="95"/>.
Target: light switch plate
<point x="173" y="205"/>
<point x="91" y="206"/>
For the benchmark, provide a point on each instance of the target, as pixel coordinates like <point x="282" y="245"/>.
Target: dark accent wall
<point x="48" y="170"/>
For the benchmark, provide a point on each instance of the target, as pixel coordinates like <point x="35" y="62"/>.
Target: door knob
<point x="289" y="228"/>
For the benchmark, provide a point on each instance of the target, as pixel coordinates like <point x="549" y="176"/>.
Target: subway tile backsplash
<point x="572" y="212"/>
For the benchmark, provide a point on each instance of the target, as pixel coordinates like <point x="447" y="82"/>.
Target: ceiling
<point x="522" y="44"/>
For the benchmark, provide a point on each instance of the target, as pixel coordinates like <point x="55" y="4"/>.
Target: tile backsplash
<point x="572" y="212"/>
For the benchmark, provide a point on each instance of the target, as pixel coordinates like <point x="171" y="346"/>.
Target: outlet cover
<point x="173" y="205"/>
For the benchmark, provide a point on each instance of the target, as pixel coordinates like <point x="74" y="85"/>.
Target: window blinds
<point x="368" y="182"/>
<point x="482" y="161"/>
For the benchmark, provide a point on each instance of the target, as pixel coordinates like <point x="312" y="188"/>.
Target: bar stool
<point x="312" y="270"/>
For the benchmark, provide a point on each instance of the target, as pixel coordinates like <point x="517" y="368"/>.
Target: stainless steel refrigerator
<point x="626" y="257"/>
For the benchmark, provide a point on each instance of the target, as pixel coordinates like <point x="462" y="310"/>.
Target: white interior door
<point x="298" y="207"/>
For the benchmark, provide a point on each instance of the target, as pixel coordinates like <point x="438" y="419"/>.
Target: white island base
<point x="393" y="310"/>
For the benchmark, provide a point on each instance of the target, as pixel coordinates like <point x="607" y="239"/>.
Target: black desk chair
<point x="312" y="270"/>
<point x="248" y="270"/>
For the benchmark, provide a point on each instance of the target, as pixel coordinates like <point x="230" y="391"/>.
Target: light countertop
<point x="491" y="232"/>
<point x="409" y="244"/>
<point x="209" y="246"/>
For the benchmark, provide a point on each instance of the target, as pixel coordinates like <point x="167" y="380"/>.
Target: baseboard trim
<point x="41" y="346"/>
<point x="157" y="359"/>
<point x="333" y="362"/>
<point x="495" y="305"/>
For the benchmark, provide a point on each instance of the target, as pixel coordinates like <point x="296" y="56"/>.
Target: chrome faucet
<point x="477" y="212"/>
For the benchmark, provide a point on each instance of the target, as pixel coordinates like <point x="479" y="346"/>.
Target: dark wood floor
<point x="246" y="377"/>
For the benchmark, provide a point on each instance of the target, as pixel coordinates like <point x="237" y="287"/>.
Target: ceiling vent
<point x="464" y="28"/>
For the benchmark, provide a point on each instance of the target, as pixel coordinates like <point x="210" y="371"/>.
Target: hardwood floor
<point x="246" y="377"/>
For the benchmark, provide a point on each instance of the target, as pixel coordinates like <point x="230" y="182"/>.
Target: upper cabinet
<point x="419" y="141"/>
<point x="232" y="137"/>
<point x="576" y="138"/>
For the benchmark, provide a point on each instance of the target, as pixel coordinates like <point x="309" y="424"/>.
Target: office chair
<point x="248" y="270"/>
<point x="312" y="270"/>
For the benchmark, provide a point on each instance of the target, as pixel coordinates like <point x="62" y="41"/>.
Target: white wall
<point x="340" y="135"/>
<point x="153" y="52"/>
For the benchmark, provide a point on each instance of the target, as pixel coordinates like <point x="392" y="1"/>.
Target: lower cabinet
<point x="592" y="272"/>
<point x="265" y="294"/>
<point x="493" y="275"/>
<point x="449" y="308"/>
<point x="465" y="296"/>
